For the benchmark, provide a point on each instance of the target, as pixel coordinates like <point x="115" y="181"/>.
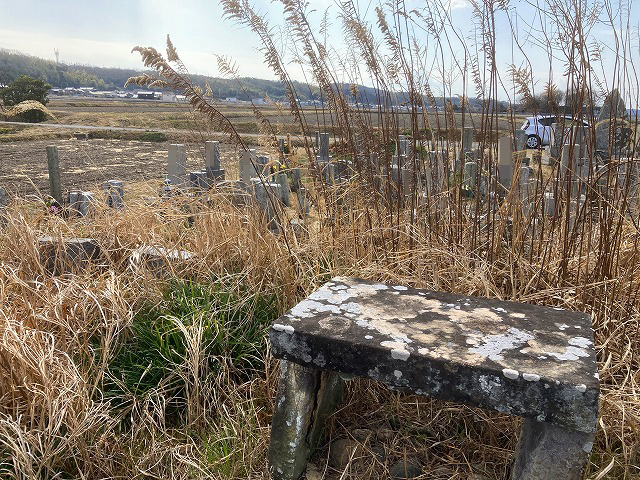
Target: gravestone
<point x="523" y="183"/>
<point x="302" y="202"/>
<point x="549" y="204"/>
<point x="266" y="195"/>
<point x="213" y="166"/>
<point x="470" y="177"/>
<point x="246" y="166"/>
<point x="521" y="139"/>
<point x="200" y="179"/>
<point x="115" y="193"/>
<point x="177" y="165"/>
<point x="82" y="203"/>
<point x="505" y="162"/>
<point x="262" y="162"/>
<point x="285" y="191"/>
<point x="467" y="141"/>
<point x="612" y="107"/>
<point x="4" y="197"/>
<point x="68" y="255"/>
<point x="296" y="179"/>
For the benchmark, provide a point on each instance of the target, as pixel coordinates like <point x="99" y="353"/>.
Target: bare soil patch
<point x="86" y="163"/>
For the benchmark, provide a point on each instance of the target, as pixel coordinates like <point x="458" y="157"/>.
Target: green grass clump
<point x="153" y="137"/>
<point x="193" y="320"/>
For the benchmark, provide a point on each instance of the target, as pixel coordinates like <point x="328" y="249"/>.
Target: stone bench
<point x="526" y="360"/>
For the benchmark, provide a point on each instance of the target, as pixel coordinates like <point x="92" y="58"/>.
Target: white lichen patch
<point x="587" y="447"/>
<point x="488" y="383"/>
<point x="562" y="326"/>
<point x="571" y="353"/>
<point x="581" y="342"/>
<point x="309" y="308"/>
<point x="368" y="337"/>
<point x="531" y="377"/>
<point x="596" y="376"/>
<point x="500" y="309"/>
<point x="581" y="388"/>
<point x="398" y="350"/>
<point x="397" y="374"/>
<point x="519" y="315"/>
<point x="493" y="346"/>
<point x="510" y="373"/>
<point x="283" y="328"/>
<point x="399" y="287"/>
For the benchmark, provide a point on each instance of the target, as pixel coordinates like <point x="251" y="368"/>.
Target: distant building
<point x="258" y="101"/>
<point x="145" y="95"/>
<point x="231" y="100"/>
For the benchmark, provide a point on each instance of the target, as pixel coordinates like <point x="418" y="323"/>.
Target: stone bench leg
<point x="305" y="398"/>
<point x="547" y="451"/>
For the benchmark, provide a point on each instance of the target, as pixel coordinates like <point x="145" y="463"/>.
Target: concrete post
<point x="305" y="398"/>
<point x="54" y="173"/>
<point x="547" y="451"/>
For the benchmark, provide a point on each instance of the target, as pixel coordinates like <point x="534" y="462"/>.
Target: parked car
<point x="539" y="131"/>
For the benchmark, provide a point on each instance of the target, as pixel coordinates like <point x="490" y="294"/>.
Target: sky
<point x="103" y="33"/>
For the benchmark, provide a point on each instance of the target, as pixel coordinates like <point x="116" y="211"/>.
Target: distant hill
<point x="13" y="64"/>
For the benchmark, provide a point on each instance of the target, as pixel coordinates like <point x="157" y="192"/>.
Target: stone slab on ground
<point x="527" y="360"/>
<point x="64" y="255"/>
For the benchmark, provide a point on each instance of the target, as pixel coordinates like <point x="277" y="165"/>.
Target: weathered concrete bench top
<point x="526" y="360"/>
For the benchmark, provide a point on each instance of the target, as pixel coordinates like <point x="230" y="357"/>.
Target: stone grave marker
<point x="68" y="255"/>
<point x="213" y="167"/>
<point x="505" y="162"/>
<point x="177" y="165"/>
<point x="115" y="193"/>
<point x="246" y="166"/>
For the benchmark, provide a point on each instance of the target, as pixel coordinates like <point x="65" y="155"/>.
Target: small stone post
<point x="177" y="164"/>
<point x="54" y="173"/>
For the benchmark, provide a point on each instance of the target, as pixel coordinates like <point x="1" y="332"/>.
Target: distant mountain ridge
<point x="13" y="64"/>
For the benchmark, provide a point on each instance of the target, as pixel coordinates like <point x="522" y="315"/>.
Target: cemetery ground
<point x="116" y="370"/>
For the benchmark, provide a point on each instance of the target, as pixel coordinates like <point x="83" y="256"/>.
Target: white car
<point x="539" y="131"/>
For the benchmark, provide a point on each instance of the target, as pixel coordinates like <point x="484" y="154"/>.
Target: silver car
<point x="539" y="131"/>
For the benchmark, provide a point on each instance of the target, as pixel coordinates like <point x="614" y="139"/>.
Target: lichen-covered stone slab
<point x="527" y="360"/>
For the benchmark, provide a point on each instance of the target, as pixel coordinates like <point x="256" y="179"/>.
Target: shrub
<point x="26" y="88"/>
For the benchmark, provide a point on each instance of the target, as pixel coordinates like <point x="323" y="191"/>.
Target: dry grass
<point x="62" y="337"/>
